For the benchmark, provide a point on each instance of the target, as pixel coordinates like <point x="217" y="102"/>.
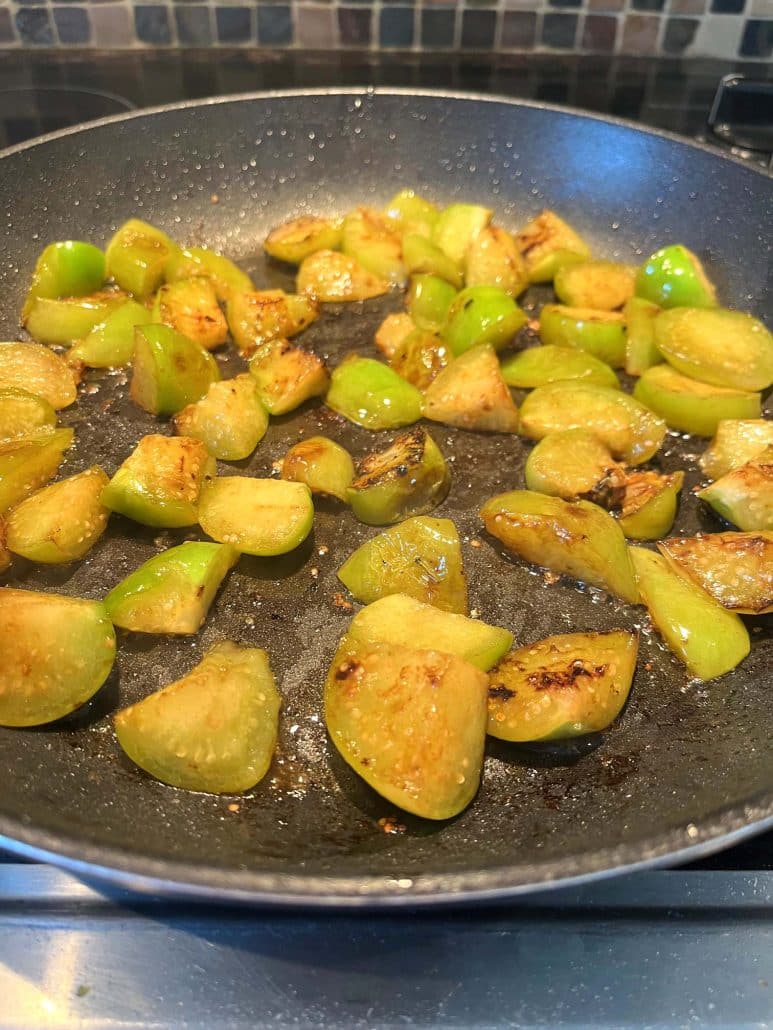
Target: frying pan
<point x="686" y="769"/>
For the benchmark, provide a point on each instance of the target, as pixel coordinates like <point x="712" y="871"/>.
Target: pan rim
<point x="295" y="889"/>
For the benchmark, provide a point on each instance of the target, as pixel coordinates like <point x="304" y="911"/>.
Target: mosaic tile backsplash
<point x="691" y="28"/>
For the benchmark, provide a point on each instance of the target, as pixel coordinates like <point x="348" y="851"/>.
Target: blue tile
<point x="679" y="34"/>
<point x="559" y="31"/>
<point x="151" y="23"/>
<point x="396" y="27"/>
<point x="565" y="3"/>
<point x="648" y="5"/>
<point x="757" y="39"/>
<point x="72" y="25"/>
<point x="437" y="27"/>
<point x="234" y="24"/>
<point x="478" y="29"/>
<point x="275" y="26"/>
<point x="34" y="26"/>
<point x="193" y="25"/>
<point x="728" y="6"/>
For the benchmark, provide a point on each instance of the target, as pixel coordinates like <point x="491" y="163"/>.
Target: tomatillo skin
<point x="482" y="314"/>
<point x="69" y="268"/>
<point x="673" y="277"/>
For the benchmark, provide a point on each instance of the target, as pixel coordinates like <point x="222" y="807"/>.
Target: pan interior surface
<point x="687" y="763"/>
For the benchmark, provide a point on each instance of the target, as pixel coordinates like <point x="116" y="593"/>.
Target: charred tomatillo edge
<point x="160" y="482"/>
<point x="322" y="464"/>
<point x="69" y="268"/>
<point x="111" y="343"/>
<point x="264" y="517"/>
<point x="62" y="321"/>
<point x="457" y="226"/>
<point x="422" y="257"/>
<point x="735" y="442"/>
<point x="641" y="350"/>
<point x="173" y="591"/>
<point x="286" y="376"/>
<point x="603" y="285"/>
<point x="493" y="259"/>
<point x="23" y="414"/>
<point x="230" y="419"/>
<point x="369" y="237"/>
<point x="576" y="538"/>
<point x="297" y="239"/>
<point x="371" y="394"/>
<point x="33" y="367"/>
<point x="717" y="346"/>
<point x="412" y="213"/>
<point x="411" y="723"/>
<point x="482" y="314"/>
<point x="575" y="465"/>
<point x="190" y="306"/>
<point x="214" y="730"/>
<point x="744" y="496"/>
<point x="329" y="276"/>
<point x="628" y="428"/>
<point x="30" y="462"/>
<point x="471" y="394"/>
<point x="599" y="333"/>
<point x="169" y="371"/>
<point x="709" y="640"/>
<point x="690" y="406"/>
<point x="673" y="277"/>
<point x="561" y="687"/>
<point x="405" y="622"/>
<point x="420" y="357"/>
<point x="57" y="653"/>
<point x="538" y="366"/>
<point x="428" y="301"/>
<point x="256" y="317"/>
<point x="649" y="504"/>
<point x="410" y="477"/>
<point x="735" y="568"/>
<point x="392" y="332"/>
<point x="225" y="276"/>
<point x="547" y="243"/>
<point x="137" y="257"/>
<point x="421" y="557"/>
<point x="61" y="522"/>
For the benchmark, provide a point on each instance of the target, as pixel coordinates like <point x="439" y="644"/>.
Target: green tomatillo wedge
<point x="61" y="522"/>
<point x="482" y="314"/>
<point x="717" y="346"/>
<point x="190" y="306"/>
<point x="412" y="213"/>
<point x="708" y="639"/>
<point x="173" y="591"/>
<point x="735" y="568"/>
<point x="214" y="730"/>
<point x="137" y="257"/>
<point x="628" y="428"/>
<point x="61" y="321"/>
<point x="641" y="350"/>
<point x="111" y="343"/>
<point x="406" y="622"/>
<point x="649" y="504"/>
<point x="331" y="277"/>
<point x="603" y="285"/>
<point x="409" y="478"/>
<point x="562" y="687"/>
<point x="600" y="333"/>
<point x="471" y="394"/>
<point x="457" y="226"/>
<point x="422" y="257"/>
<point x="690" y="406"/>
<point x="673" y="277"/>
<point x="420" y="357"/>
<point x="428" y="301"/>
<point x="538" y="366"/>
<point x="322" y="464"/>
<point x="160" y="482"/>
<point x="23" y="414"/>
<point x="392" y="331"/>
<point x="493" y="259"/>
<point x="744" y="496"/>
<point x="169" y="371"/>
<point x="370" y="238"/>
<point x="297" y="239"/>
<point x="196" y="262"/>
<point x="66" y="269"/>
<point x="576" y="538"/>
<point x="264" y="517"/>
<point x="30" y="462"/>
<point x="547" y="243"/>
<point x="230" y="419"/>
<point x="256" y="317"/>
<point x="575" y="465"/>
<point x="57" y="652"/>
<point x="735" y="442"/>
<point x="33" y="367"/>
<point x="411" y="723"/>
<point x="371" y="394"/>
<point x="422" y="557"/>
<point x="287" y="375"/>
